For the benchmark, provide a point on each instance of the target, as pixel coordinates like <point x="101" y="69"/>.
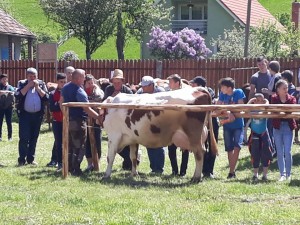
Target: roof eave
<point x="231" y="14"/>
<point x="19" y="35"/>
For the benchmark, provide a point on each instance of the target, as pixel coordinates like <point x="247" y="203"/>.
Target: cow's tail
<point x="213" y="143"/>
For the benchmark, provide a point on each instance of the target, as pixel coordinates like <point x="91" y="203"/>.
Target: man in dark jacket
<point x="30" y="97"/>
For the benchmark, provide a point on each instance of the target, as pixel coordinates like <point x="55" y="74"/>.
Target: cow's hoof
<point x="196" y="180"/>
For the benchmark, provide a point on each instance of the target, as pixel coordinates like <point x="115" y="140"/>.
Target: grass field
<point x="38" y="195"/>
<point x="277" y="6"/>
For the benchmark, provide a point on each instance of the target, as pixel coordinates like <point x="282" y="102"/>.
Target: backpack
<point x="7" y="100"/>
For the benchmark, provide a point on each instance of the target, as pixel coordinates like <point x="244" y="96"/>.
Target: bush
<point x="69" y="56"/>
<point x="184" y="44"/>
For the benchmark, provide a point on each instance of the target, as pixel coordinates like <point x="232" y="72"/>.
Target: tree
<point x="135" y="18"/>
<point x="92" y="21"/>
<point x="184" y="44"/>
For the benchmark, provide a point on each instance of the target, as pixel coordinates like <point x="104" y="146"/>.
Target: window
<point x="193" y="12"/>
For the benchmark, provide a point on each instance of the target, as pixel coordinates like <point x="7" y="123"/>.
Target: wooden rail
<point x="239" y="110"/>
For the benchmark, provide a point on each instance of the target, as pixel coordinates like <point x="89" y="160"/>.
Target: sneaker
<point x="89" y="169"/>
<point x="289" y="178"/>
<point x="51" y="164"/>
<point x="9" y="139"/>
<point x="264" y="178"/>
<point x="282" y="178"/>
<point x="231" y="175"/>
<point x="208" y="175"/>
<point x="255" y="179"/>
<point x="34" y="163"/>
<point x="20" y="164"/>
<point x="59" y="167"/>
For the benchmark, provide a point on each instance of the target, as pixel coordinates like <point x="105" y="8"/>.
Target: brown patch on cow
<point x="154" y="129"/>
<point x="136" y="115"/>
<point x="127" y="121"/>
<point x="136" y="132"/>
<point x="202" y="98"/>
<point x="198" y="155"/>
<point x="129" y="112"/>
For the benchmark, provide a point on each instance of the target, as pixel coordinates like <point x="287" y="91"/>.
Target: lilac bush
<point x="69" y="56"/>
<point x="184" y="44"/>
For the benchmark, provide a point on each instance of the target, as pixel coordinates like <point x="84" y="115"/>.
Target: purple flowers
<point x="184" y="44"/>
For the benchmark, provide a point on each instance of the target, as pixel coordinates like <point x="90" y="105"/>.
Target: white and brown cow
<point x="156" y="128"/>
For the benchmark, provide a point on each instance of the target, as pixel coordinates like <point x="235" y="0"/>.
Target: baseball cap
<point x="146" y="81"/>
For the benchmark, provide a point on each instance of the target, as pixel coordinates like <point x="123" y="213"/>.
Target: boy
<point x="57" y="117"/>
<point x="233" y="127"/>
<point x="259" y="141"/>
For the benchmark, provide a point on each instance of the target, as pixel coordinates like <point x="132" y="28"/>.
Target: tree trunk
<point x="120" y="42"/>
<point x="87" y="52"/>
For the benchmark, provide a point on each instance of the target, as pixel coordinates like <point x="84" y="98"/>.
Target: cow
<point x="156" y="128"/>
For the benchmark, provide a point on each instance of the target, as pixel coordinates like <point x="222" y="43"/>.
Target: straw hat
<point x="117" y="74"/>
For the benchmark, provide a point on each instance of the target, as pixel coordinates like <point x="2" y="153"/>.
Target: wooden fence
<point x="213" y="69"/>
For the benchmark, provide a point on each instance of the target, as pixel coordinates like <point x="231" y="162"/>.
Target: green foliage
<point x="284" y="19"/>
<point x="92" y="21"/>
<point x="268" y="40"/>
<point x="135" y="18"/>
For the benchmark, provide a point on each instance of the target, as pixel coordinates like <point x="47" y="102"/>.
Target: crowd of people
<point x="269" y="138"/>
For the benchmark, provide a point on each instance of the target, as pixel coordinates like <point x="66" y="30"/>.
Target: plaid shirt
<point x="290" y="100"/>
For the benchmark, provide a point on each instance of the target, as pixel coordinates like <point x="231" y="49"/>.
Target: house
<point x="209" y="18"/>
<point x="11" y="35"/>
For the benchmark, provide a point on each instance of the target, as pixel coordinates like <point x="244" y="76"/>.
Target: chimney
<point x="296" y="13"/>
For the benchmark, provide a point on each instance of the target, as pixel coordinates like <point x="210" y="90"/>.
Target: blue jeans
<point x="8" y="115"/>
<point x="157" y="159"/>
<point x="283" y="141"/>
<point x="233" y="138"/>
<point x="57" y="128"/>
<point x="29" y="130"/>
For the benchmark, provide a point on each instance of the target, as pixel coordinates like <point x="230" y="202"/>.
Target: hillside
<point x="29" y="13"/>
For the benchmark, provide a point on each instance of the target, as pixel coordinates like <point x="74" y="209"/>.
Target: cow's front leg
<point x="111" y="154"/>
<point x="199" y="157"/>
<point x="133" y="157"/>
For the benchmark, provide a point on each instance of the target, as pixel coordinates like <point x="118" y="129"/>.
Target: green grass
<point x="38" y="195"/>
<point x="277" y="6"/>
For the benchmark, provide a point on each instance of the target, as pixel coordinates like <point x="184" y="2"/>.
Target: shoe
<point x="20" y="164"/>
<point x="9" y="139"/>
<point x="282" y="178"/>
<point x="264" y="178"/>
<point x="59" y="167"/>
<point x="34" y="163"/>
<point x="231" y="175"/>
<point x="208" y="175"/>
<point x="89" y="169"/>
<point x="289" y="178"/>
<point x="174" y="173"/>
<point x="182" y="174"/>
<point x="51" y="164"/>
<point x="255" y="179"/>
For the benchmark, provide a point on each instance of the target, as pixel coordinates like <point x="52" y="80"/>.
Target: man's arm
<point x="252" y="91"/>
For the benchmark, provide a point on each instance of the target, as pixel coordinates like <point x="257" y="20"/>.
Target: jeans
<point x="233" y="138"/>
<point x="157" y="159"/>
<point x="29" y="129"/>
<point x="283" y="140"/>
<point x="8" y="115"/>
<point x="57" y="131"/>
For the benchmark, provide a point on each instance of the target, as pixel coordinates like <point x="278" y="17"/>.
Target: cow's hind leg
<point x="133" y="157"/>
<point x="111" y="154"/>
<point x="199" y="157"/>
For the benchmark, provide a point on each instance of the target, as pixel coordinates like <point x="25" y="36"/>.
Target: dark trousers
<point x="125" y="154"/>
<point x="77" y="141"/>
<point x="8" y="115"/>
<point x="29" y="129"/>
<point x="98" y="135"/>
<point x="173" y="158"/>
<point x="209" y="157"/>
<point x="157" y="159"/>
<point x="57" y="128"/>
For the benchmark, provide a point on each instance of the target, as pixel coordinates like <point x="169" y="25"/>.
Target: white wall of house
<point x="4" y="47"/>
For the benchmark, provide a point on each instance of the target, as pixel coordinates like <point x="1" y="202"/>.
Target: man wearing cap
<point x="175" y="84"/>
<point x="156" y="155"/>
<point x="73" y="92"/>
<point x="115" y="88"/>
<point x="209" y="157"/>
<point x="6" y="107"/>
<point x="30" y="95"/>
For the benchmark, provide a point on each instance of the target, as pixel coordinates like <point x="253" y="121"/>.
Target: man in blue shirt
<point x="73" y="92"/>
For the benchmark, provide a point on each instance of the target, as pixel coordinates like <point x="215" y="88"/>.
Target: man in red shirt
<point x="57" y="117"/>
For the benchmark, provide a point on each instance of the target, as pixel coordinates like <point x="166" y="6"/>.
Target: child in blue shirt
<point x="233" y="127"/>
<point x="259" y="141"/>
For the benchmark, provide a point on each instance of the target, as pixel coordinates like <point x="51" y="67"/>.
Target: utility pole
<point x="247" y="29"/>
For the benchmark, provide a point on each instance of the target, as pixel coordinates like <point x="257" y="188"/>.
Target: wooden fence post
<point x="93" y="143"/>
<point x="159" y="69"/>
<point x="65" y="155"/>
